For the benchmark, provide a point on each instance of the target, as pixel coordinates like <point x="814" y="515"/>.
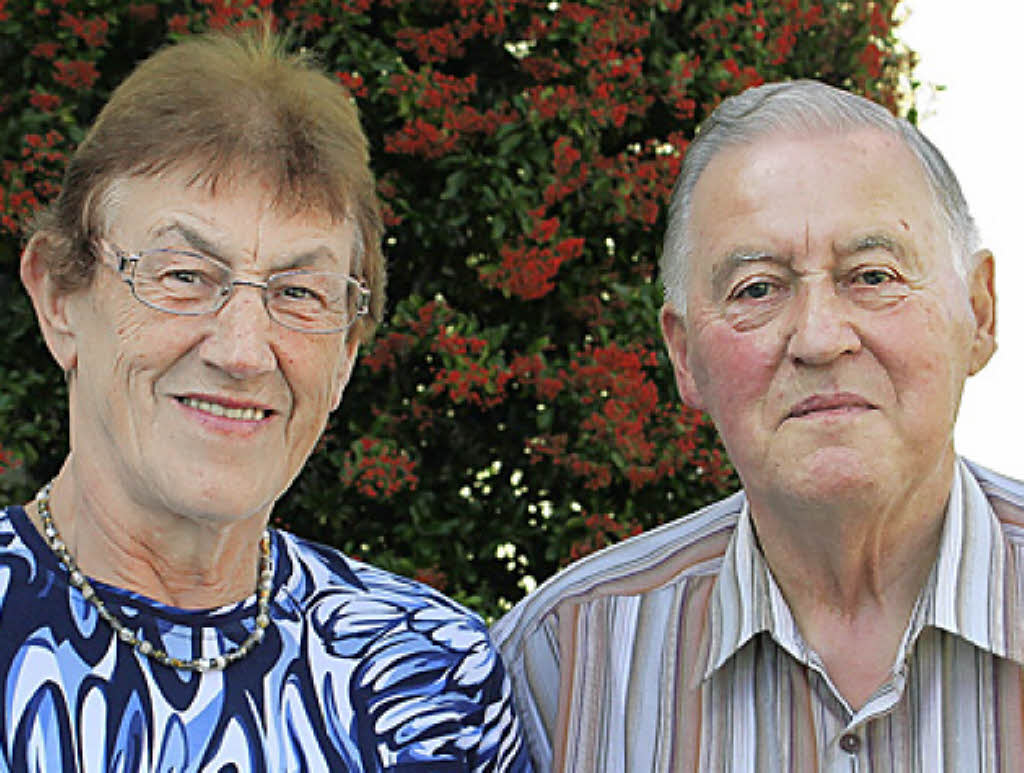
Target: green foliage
<point x="517" y="409"/>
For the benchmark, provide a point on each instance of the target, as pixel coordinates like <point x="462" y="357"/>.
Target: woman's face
<point x="207" y="417"/>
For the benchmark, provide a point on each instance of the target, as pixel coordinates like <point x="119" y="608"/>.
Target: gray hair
<point x="802" y="106"/>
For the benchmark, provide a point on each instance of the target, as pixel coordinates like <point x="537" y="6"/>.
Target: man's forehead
<point x="784" y="194"/>
<point x="812" y="143"/>
<point x="867" y="156"/>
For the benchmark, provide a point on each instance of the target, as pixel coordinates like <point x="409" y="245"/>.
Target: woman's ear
<point x="344" y="370"/>
<point x="50" y="302"/>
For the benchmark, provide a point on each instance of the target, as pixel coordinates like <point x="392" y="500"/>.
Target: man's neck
<point x="852" y="573"/>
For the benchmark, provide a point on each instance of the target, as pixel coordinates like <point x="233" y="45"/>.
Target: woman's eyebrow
<point x="193" y="238"/>
<point x="204" y="245"/>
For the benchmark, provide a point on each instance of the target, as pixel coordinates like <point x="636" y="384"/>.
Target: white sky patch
<point x="972" y="49"/>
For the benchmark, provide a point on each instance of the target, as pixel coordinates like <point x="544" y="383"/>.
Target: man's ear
<point x="982" y="286"/>
<point x="345" y="365"/>
<point x="50" y="302"/>
<point x="673" y="329"/>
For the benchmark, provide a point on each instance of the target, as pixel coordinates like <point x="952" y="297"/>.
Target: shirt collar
<point x="972" y="589"/>
<point x="970" y="592"/>
<point x="746" y="601"/>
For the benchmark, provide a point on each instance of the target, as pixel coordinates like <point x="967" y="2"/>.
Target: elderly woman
<point x="204" y="281"/>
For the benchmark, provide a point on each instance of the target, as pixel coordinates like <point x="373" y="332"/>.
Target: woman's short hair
<point x="793" y="107"/>
<point x="226" y="105"/>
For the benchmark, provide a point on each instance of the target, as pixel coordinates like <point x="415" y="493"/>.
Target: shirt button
<point x="850" y="743"/>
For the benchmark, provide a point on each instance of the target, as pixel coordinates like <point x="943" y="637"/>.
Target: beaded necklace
<point x="125" y="634"/>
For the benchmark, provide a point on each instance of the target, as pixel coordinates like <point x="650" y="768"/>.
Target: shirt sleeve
<point x="531" y="655"/>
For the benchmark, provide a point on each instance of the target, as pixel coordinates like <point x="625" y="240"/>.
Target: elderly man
<point x="857" y="607"/>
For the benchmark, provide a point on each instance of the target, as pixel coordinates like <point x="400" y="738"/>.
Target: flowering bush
<point x="517" y="409"/>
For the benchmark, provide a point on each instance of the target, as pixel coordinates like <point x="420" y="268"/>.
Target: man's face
<point x="827" y="332"/>
<point x="209" y="417"/>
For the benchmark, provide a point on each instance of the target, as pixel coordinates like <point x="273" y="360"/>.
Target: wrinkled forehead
<point x="801" y="201"/>
<point x="240" y="218"/>
<point x="884" y="157"/>
<point x="109" y="203"/>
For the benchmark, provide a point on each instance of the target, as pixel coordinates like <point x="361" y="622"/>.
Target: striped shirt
<point x="676" y="651"/>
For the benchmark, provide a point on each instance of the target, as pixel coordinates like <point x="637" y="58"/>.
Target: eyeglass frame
<point x="227" y="291"/>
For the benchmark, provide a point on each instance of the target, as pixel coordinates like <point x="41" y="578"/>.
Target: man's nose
<point x="822" y="327"/>
<point x="239" y="341"/>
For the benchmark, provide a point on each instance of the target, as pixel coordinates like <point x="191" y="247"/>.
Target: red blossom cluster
<point x="92" y="31"/>
<point x="33" y="180"/>
<point x="645" y="177"/>
<point x="530" y="370"/>
<point x="386" y="350"/>
<point x="354" y="82"/>
<point x="528" y="267"/>
<point x="377" y="469"/>
<point x="43" y="101"/>
<point x="238" y="14"/>
<point x="46" y="50"/>
<point x="445" y="41"/>
<point x="871" y="58"/>
<point x="601" y="530"/>
<point x="570" y="171"/>
<point x="446" y="121"/>
<point x="543" y="69"/>
<point x="679" y="95"/>
<point x="76" y="74"/>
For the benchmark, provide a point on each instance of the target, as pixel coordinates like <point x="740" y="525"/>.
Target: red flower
<point x="45" y="50"/>
<point x="92" y="32"/>
<point x="871" y="58"/>
<point x="45" y="102"/>
<point x="354" y="82"/>
<point x="178" y="24"/>
<point x="75" y="74"/>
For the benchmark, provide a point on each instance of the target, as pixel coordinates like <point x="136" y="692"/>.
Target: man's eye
<point x="873" y="277"/>
<point x="754" y="290"/>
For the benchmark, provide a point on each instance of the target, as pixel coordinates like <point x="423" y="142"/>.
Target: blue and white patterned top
<point x="360" y="670"/>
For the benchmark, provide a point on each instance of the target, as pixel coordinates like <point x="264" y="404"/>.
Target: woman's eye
<point x="297" y="293"/>
<point x="184" y="276"/>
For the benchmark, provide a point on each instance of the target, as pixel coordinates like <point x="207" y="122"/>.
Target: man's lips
<point x="225" y="407"/>
<point x="832" y="402"/>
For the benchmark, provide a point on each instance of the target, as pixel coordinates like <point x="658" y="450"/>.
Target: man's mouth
<point x="240" y="413"/>
<point x="826" y="403"/>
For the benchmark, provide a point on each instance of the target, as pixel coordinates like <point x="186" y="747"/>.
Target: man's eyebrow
<point x="871" y="242"/>
<point x="726" y="267"/>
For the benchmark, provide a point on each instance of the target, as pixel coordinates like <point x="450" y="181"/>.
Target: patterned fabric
<point x="360" y="671"/>
<point x="676" y="651"/>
